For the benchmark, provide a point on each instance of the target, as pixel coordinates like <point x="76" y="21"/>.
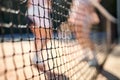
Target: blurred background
<point x="13" y="29"/>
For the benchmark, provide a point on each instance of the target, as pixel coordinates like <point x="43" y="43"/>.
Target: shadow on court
<point x="108" y="75"/>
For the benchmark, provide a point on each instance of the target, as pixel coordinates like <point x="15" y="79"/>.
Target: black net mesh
<point x="42" y="44"/>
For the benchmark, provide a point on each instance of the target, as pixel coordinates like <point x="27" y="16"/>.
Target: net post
<point x="108" y="30"/>
<point x="118" y="21"/>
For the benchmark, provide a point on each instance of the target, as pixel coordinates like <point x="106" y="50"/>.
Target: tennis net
<point x="65" y="56"/>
